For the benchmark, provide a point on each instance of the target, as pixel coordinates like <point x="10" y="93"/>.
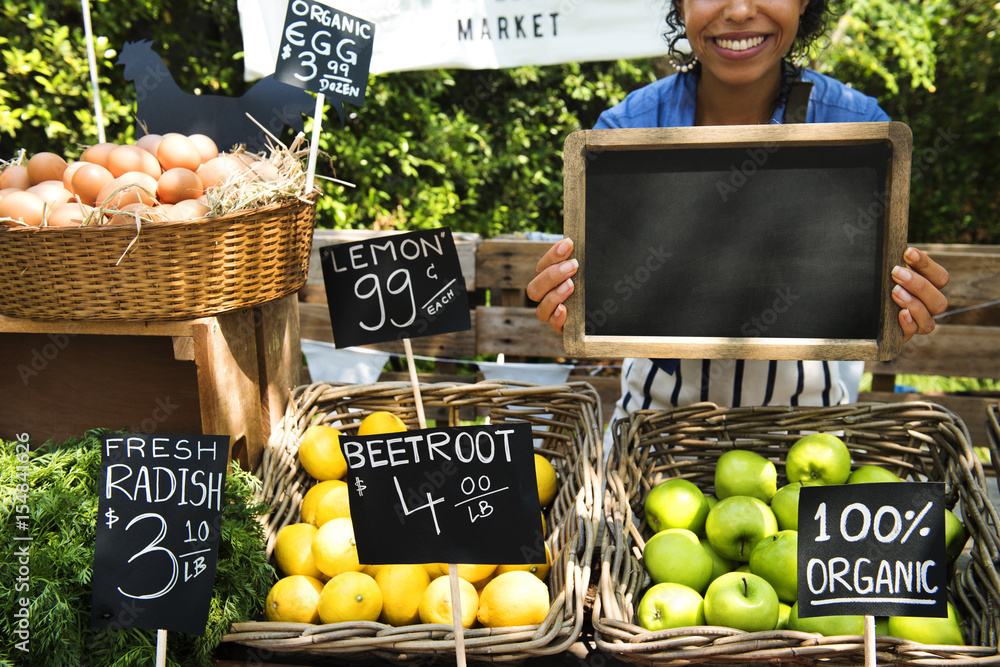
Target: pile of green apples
<point x="731" y="560"/>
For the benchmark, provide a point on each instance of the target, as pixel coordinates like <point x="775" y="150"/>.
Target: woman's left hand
<point x="918" y="292"/>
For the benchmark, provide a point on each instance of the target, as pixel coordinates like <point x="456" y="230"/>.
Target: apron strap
<point x="797" y="103"/>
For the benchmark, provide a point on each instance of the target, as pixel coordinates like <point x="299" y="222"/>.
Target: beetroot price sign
<point x="450" y="495"/>
<point x="159" y="512"/>
<point x="395" y="287"/>
<point x="873" y="550"/>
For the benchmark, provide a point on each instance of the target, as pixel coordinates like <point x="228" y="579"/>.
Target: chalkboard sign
<point x="325" y="51"/>
<point x="872" y="550"/>
<point x="769" y="242"/>
<point x="450" y="495"/>
<point x="159" y="513"/>
<point x="395" y="287"/>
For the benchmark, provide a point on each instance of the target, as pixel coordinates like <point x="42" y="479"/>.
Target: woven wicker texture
<point x="566" y="424"/>
<point x="173" y="270"/>
<point x="917" y="441"/>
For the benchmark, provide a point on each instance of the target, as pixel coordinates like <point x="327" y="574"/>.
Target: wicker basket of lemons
<point x="326" y="602"/>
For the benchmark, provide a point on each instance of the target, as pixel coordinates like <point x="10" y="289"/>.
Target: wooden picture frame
<point x="737" y="242"/>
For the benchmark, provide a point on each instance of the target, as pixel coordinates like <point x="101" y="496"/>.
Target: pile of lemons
<point x="323" y="581"/>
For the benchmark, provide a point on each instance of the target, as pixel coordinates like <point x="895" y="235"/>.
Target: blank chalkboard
<point x="769" y="242"/>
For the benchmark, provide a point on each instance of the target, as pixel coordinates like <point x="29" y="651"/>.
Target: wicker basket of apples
<point x="682" y="583"/>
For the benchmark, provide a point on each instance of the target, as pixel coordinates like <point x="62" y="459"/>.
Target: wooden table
<point x="229" y="374"/>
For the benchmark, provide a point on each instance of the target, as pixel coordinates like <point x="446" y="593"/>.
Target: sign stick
<point x="416" y="383"/>
<point x="456" y="615"/>
<point x="92" y="60"/>
<point x="314" y="142"/>
<point x="161" y="648"/>
<point x="869" y="641"/>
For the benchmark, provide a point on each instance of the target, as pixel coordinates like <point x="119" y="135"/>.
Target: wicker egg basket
<point x="156" y="270"/>
<point x="566" y="426"/>
<point x="917" y="441"/>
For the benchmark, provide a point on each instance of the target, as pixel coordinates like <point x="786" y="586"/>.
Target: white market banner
<point x="474" y="34"/>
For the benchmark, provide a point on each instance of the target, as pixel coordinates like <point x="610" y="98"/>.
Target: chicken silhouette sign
<point x="162" y="106"/>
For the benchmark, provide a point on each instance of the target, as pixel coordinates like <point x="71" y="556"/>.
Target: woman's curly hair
<point x="812" y="25"/>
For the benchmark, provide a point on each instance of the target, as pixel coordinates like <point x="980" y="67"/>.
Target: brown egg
<point x="15" y="176"/>
<point x="68" y="215"/>
<point x="134" y="187"/>
<point x="45" y="166"/>
<point x="206" y="146"/>
<point x="189" y="209"/>
<point x="178" y="184"/>
<point x="89" y="180"/>
<point x="126" y="158"/>
<point x="127" y="215"/>
<point x="219" y="170"/>
<point x="176" y="150"/>
<point x="98" y="153"/>
<point x="264" y="171"/>
<point x="6" y="191"/>
<point x="149" y="142"/>
<point x="24" y="206"/>
<point x="51" y="192"/>
<point x="67" y="178"/>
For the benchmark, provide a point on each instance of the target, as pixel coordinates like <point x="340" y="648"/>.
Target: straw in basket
<point x="917" y="441"/>
<point x="566" y="425"/>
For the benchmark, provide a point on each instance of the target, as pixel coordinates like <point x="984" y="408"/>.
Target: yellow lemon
<point x="333" y="548"/>
<point x="545" y="530"/>
<point x="293" y="550"/>
<point x="372" y="570"/>
<point x="333" y="505"/>
<point x="513" y="599"/>
<point x="294" y="599"/>
<point x="548" y="483"/>
<point x="540" y="570"/>
<point x="350" y="596"/>
<point x="435" y="604"/>
<point x="471" y="573"/>
<point x="307" y="512"/>
<point x="434" y="570"/>
<point x="402" y="587"/>
<point x="381" y="422"/>
<point x="320" y="454"/>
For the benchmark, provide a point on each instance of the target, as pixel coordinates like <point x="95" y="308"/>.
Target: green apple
<point x="720" y="565"/>
<point x="676" y="503"/>
<point x="870" y="474"/>
<point x="676" y="555"/>
<point x="818" y="456"/>
<point x="712" y="501"/>
<point x="882" y="626"/>
<point x="783" y="611"/>
<point x="955" y="534"/>
<point x="828" y="626"/>
<point x="785" y="505"/>
<point x="743" y="601"/>
<point x="944" y="631"/>
<point x="669" y="605"/>
<point x="740" y="472"/>
<point x="776" y="559"/>
<point x="737" y="524"/>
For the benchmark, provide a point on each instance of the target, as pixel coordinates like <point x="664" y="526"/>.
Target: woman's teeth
<point x="740" y="44"/>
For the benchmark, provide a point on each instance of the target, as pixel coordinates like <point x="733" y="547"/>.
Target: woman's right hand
<point x="553" y="283"/>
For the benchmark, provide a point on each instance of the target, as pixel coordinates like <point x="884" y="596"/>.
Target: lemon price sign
<point x="157" y="537"/>
<point x="394" y="287"/>
<point x="445" y="495"/>
<point x="872" y="550"/>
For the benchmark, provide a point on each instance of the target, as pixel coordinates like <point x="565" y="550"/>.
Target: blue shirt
<point x="670" y="102"/>
<point x="658" y="384"/>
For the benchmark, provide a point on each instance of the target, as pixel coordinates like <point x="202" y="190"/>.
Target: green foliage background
<point x="480" y="151"/>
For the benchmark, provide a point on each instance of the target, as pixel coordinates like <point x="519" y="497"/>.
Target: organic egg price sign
<point x="395" y="287"/>
<point x="872" y="550"/>
<point x="445" y="495"/>
<point x="325" y="51"/>
<point x="159" y="514"/>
